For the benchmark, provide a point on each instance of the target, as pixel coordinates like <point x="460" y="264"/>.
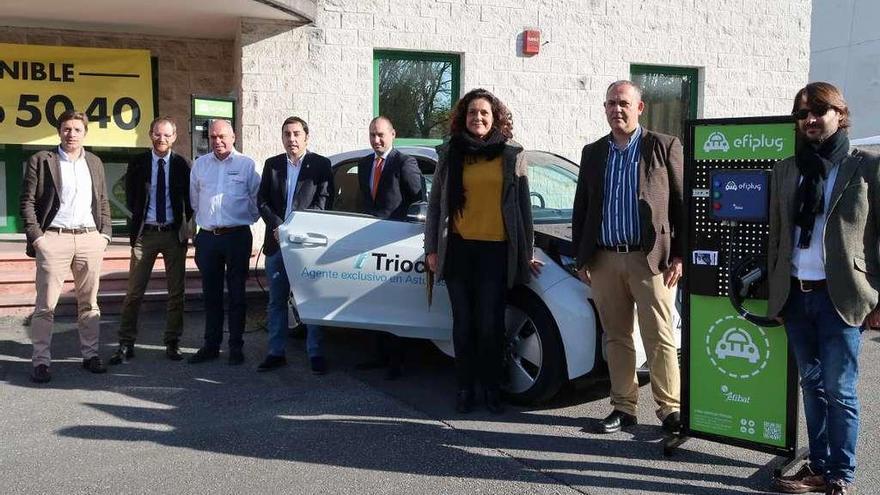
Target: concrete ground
<point x="156" y="426"/>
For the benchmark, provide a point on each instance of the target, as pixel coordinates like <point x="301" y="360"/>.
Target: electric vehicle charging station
<point x="739" y="381"/>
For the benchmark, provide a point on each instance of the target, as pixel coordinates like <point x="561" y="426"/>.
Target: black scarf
<point x="460" y="146"/>
<point x="814" y="161"/>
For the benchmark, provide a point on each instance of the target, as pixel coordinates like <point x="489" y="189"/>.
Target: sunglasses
<point x="817" y="111"/>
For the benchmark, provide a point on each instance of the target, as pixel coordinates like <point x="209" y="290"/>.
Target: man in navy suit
<point x="295" y="180"/>
<point x="390" y="181"/>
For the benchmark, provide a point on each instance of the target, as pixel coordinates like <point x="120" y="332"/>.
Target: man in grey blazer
<point x="67" y="223"/>
<point x="824" y="269"/>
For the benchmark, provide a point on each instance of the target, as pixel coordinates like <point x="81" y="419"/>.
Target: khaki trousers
<point x="143" y="256"/>
<point x="57" y="255"/>
<point x="619" y="282"/>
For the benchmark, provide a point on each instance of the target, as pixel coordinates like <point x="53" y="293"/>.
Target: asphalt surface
<point x="156" y="426"/>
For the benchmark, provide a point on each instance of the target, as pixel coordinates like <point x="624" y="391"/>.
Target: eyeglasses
<point x="817" y="111"/>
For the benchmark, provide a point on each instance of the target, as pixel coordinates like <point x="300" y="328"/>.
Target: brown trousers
<point x="619" y="282"/>
<point x="57" y="255"/>
<point x="143" y="256"/>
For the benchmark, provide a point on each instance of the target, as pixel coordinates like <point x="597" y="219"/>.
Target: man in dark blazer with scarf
<point x="823" y="260"/>
<point x="295" y="180"/>
<point x="157" y="195"/>
<point x="390" y="181"/>
<point x="627" y="227"/>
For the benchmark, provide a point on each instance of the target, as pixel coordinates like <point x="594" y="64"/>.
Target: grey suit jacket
<point x="851" y="236"/>
<point x="39" y="200"/>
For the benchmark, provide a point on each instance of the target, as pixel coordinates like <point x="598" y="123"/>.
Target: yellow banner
<point x="38" y="83"/>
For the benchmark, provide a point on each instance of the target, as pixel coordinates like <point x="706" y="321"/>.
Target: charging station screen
<point x="739" y="195"/>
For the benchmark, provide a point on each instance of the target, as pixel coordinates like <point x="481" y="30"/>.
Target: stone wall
<point x="185" y="66"/>
<point x="752" y="56"/>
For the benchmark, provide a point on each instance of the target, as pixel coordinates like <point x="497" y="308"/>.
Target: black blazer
<point x="399" y="186"/>
<point x="314" y="187"/>
<point x="137" y="193"/>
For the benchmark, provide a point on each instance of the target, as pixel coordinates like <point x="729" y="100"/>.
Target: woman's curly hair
<point x="501" y="117"/>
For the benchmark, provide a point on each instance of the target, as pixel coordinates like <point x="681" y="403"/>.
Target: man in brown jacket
<point x="627" y="234"/>
<point x="67" y="223"/>
<point x="823" y="259"/>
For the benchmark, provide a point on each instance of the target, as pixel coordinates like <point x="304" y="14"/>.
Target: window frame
<point x="693" y="109"/>
<point x="454" y="58"/>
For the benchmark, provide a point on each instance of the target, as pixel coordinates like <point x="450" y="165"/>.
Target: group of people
<point x="627" y="232"/>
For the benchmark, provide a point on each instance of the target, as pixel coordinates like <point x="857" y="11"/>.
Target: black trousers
<point x="476" y="279"/>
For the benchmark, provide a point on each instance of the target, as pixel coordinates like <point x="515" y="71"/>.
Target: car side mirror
<point x="417" y="212"/>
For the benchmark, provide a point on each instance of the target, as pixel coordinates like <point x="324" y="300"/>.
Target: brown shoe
<point x="837" y="487"/>
<point x="804" y="481"/>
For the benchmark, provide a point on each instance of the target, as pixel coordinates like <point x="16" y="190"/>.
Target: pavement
<point x="156" y="426"/>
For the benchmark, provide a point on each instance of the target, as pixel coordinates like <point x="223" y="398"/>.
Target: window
<point x="670" y="96"/>
<point x="416" y="91"/>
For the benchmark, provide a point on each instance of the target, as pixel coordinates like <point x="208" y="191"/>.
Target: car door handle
<point x="312" y="239"/>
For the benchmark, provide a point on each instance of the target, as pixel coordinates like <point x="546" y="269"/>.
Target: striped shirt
<point x="620" y="209"/>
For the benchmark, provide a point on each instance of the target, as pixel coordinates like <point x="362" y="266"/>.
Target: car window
<point x="552" y="184"/>
<point x="345" y="179"/>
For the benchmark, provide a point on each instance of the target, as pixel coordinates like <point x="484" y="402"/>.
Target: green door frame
<point x="693" y="108"/>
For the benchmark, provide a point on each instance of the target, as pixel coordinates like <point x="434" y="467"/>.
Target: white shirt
<point x="809" y="264"/>
<point x="75" y="210"/>
<point x="384" y="161"/>
<point x="151" y="204"/>
<point x="293" y="168"/>
<point x="224" y="192"/>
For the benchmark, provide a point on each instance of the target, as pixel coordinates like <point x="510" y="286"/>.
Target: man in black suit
<point x="390" y="181"/>
<point x="157" y="194"/>
<point x="295" y="180"/>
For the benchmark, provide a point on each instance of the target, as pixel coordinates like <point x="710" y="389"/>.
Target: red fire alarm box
<point x="531" y="42"/>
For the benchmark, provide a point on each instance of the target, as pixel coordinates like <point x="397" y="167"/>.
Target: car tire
<point x="534" y="356"/>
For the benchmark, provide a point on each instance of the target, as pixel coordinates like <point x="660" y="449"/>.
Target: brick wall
<point x="186" y="66"/>
<point x="752" y="55"/>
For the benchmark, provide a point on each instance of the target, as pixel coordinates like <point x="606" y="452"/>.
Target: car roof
<point x="426" y="152"/>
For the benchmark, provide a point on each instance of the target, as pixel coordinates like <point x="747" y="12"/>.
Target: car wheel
<point x="534" y="355"/>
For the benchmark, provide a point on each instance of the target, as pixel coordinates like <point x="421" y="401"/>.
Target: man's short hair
<point x="159" y="120"/>
<point x="826" y="94"/>
<point x="73" y="115"/>
<point x="625" y="82"/>
<point x="382" y="117"/>
<point x="296" y="120"/>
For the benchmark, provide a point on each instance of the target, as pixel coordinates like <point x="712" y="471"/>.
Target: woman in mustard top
<point x="478" y="238"/>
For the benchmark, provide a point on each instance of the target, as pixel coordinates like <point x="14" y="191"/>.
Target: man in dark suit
<point x="66" y="217"/>
<point x="824" y="269"/>
<point x="157" y="194"/>
<point x="627" y="233"/>
<point x="390" y="181"/>
<point x="295" y="180"/>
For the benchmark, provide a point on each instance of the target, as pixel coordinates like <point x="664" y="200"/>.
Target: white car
<point x="353" y="270"/>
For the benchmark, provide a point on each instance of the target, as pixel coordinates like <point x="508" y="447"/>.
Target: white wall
<point x="845" y="51"/>
<point x="753" y="55"/>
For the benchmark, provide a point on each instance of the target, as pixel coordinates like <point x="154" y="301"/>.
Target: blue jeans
<point x="277" y="314"/>
<point x="827" y="352"/>
<point x="224" y="258"/>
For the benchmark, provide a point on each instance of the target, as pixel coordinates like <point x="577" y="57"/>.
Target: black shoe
<point x="493" y="401"/>
<point x="94" y="365"/>
<point x="319" y="365"/>
<point x="272" y="362"/>
<point x="236" y="357"/>
<point x="202" y="355"/>
<point x="122" y="354"/>
<point x="373" y="364"/>
<point x="464" y="401"/>
<point x="672" y="423"/>
<point x="837" y="487"/>
<point x="616" y="421"/>
<point x="41" y="374"/>
<point x="393" y="373"/>
<point x="172" y="351"/>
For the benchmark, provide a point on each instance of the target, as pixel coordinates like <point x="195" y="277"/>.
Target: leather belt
<point x="74" y="231"/>
<point x="808" y="285"/>
<point x="225" y="230"/>
<point x="622" y="248"/>
<point x="149" y="227"/>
